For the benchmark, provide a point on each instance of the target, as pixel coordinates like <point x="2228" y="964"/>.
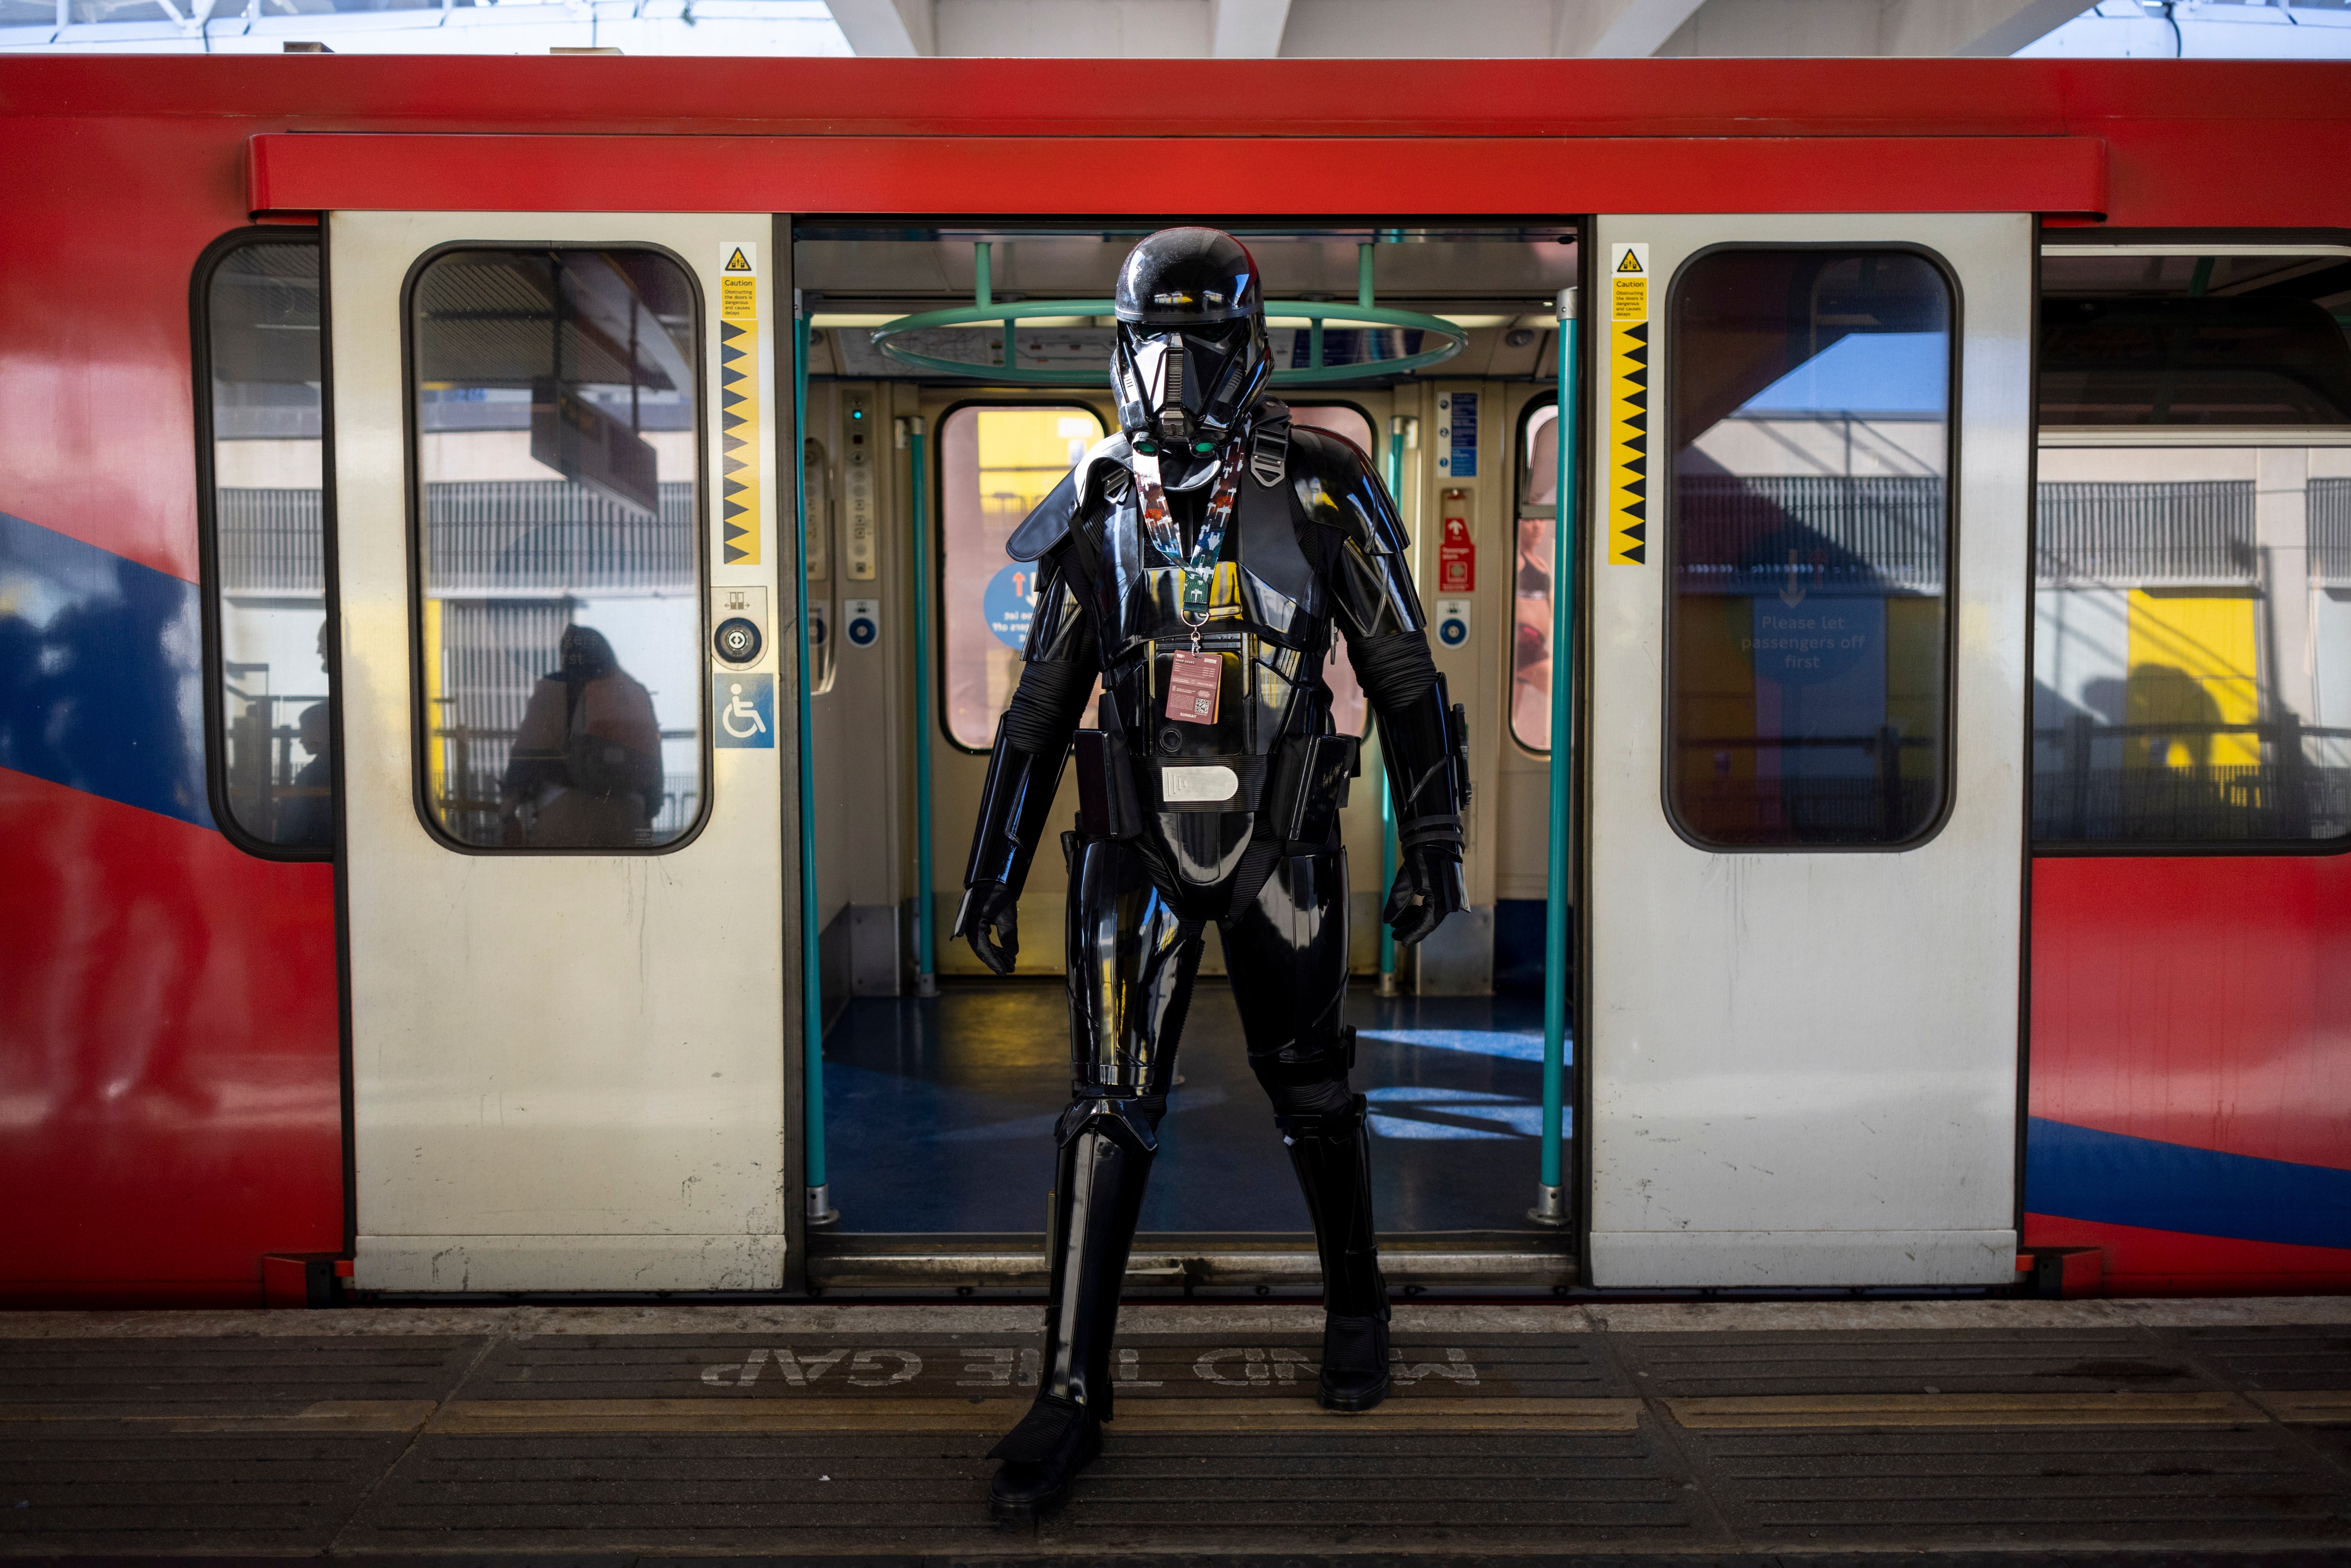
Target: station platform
<point x="1789" y="1433"/>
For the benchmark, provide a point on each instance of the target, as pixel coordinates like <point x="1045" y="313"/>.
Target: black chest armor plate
<point x="1268" y="616"/>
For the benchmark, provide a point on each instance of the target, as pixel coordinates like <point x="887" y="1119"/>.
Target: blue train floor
<point x="939" y="1114"/>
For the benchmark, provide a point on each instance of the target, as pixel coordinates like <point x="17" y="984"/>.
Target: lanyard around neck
<point x="1199" y="564"/>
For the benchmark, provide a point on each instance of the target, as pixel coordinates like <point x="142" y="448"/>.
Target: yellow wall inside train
<point x="1022" y="455"/>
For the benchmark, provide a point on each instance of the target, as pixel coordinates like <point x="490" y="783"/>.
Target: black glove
<point x="1428" y="888"/>
<point x="989" y="919"/>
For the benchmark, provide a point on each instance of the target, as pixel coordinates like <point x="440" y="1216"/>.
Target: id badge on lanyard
<point x="1196" y="679"/>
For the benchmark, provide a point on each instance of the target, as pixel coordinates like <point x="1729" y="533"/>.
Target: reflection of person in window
<point x="586" y="768"/>
<point x="1530" y="632"/>
<point x="2159" y="695"/>
<point x="305" y="814"/>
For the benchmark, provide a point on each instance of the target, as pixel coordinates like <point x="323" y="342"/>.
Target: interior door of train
<point x="568" y="722"/>
<point x="1809" y="576"/>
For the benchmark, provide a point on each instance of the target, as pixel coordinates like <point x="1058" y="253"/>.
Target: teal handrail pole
<point x="926" y="976"/>
<point x="819" y="1198"/>
<point x="1550" y="1201"/>
<point x="1388" y="797"/>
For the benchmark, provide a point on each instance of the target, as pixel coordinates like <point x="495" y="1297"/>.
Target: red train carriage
<point x="1960" y="549"/>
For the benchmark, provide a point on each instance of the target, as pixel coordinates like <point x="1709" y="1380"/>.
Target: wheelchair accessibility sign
<point x="745" y="708"/>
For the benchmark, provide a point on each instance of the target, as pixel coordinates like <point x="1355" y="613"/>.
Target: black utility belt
<point x="1301" y="784"/>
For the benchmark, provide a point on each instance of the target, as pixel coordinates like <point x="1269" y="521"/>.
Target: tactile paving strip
<point x="2275" y="1358"/>
<point x="820" y="1443"/>
<point x="2021" y="1487"/>
<point x="107" y="1487"/>
<point x="90" y="1379"/>
<point x="926" y="1493"/>
<point x="1991" y="1361"/>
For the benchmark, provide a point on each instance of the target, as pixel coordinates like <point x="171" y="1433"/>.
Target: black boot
<point x="1105" y="1158"/>
<point x="1332" y="1154"/>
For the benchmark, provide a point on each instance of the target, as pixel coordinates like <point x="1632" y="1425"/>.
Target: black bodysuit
<point x="1234" y="821"/>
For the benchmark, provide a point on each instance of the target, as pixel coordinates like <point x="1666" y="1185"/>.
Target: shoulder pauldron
<point x="1099" y="472"/>
<point x="1335" y="483"/>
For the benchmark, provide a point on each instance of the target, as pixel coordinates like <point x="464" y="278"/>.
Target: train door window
<point x="996" y="460"/>
<point x="557" y="431"/>
<point x="1531" y="574"/>
<point x="2192" y="593"/>
<point x="1809" y="527"/>
<point x="263" y="449"/>
<point x="1347" y="705"/>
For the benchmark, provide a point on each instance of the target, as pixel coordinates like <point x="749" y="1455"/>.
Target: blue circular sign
<point x="862" y="631"/>
<point x="1453" y="631"/>
<point x="1010" y="603"/>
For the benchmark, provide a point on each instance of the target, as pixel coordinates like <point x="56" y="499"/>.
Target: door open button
<point x="738" y="640"/>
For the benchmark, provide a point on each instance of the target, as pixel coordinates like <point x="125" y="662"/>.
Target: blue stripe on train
<point x="2078" y="1173"/>
<point x="100" y="672"/>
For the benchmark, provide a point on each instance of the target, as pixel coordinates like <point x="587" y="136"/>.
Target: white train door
<point x="567" y="719"/>
<point x="1809" y="579"/>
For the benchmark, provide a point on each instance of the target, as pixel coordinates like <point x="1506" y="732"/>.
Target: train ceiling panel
<point x="1496" y="283"/>
<point x="917" y="269"/>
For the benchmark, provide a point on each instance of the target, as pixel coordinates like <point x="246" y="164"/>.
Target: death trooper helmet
<point x="1192" y="357"/>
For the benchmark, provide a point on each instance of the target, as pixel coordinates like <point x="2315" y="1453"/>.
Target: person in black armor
<point x="1198" y="563"/>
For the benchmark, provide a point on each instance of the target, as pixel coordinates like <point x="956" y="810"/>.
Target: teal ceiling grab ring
<point x="1454" y="338"/>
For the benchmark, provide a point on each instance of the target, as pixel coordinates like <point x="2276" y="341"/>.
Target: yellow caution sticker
<point x="738" y="404"/>
<point x="738" y="284"/>
<point x="1628" y="404"/>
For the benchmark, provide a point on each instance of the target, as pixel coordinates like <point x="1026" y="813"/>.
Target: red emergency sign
<point x="1457" y="558"/>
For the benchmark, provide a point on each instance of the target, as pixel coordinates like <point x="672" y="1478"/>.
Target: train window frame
<point x="412" y="477"/>
<point x="208" y="549"/>
<point x="936" y="482"/>
<point x="1543" y="399"/>
<point x="1667" y="486"/>
<point x="2067" y="242"/>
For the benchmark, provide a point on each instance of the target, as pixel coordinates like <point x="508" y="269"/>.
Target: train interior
<point x="939" y="1108"/>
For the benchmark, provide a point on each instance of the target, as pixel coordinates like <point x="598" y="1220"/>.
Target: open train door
<point x="567" y="699"/>
<point x="1810" y="578"/>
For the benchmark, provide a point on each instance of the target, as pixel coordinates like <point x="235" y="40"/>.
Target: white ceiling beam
<point x="1618" y="29"/>
<point x="1074" y="29"/>
<point x="1246" y="29"/>
<point x="888" y="27"/>
<point x="1820" y="29"/>
<point x="1996" y="36"/>
<point x="1421" y="29"/>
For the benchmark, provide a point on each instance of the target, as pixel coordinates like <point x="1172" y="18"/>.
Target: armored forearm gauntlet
<point x="1013" y="811"/>
<point x="1032" y="741"/>
<point x="1422" y="734"/>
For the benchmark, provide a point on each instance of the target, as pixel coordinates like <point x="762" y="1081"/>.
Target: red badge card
<point x="1194" y="681"/>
